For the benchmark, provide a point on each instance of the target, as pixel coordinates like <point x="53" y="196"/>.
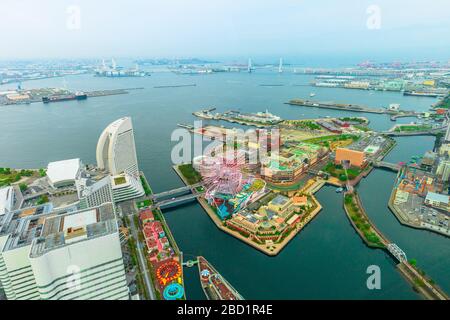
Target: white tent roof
<point x="6" y="199"/>
<point x="64" y="170"/>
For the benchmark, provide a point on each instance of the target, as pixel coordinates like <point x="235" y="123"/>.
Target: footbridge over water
<point x="387" y="165"/>
<point x="176" y="191"/>
<point x="398" y="253"/>
<point x="176" y="200"/>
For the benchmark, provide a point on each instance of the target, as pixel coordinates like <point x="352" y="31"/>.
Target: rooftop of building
<point x="6" y="199"/>
<point x="437" y="197"/>
<point x="279" y="200"/>
<point x="23" y="225"/>
<point x="64" y="229"/>
<point x="64" y="170"/>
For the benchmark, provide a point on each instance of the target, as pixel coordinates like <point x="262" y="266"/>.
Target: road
<point x="142" y="262"/>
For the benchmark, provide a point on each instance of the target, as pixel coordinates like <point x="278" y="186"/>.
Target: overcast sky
<point x="208" y="28"/>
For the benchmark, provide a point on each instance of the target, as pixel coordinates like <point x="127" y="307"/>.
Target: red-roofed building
<point x="148" y="231"/>
<point x="162" y="243"/>
<point x="151" y="244"/>
<point x="146" y="216"/>
<point x="158" y="231"/>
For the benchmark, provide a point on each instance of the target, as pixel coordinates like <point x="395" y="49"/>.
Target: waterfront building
<point x="59" y="255"/>
<point x="357" y="85"/>
<point x="428" y="161"/>
<point x="7" y="199"/>
<point x="116" y="150"/>
<point x="440" y="201"/>
<point x="353" y="157"/>
<point x="126" y="187"/>
<point x="443" y="170"/>
<point x="63" y="173"/>
<point x="18" y="229"/>
<point x="444" y="150"/>
<point x="447" y="134"/>
<point x="281" y="205"/>
<point x="93" y="194"/>
<point x="401" y="197"/>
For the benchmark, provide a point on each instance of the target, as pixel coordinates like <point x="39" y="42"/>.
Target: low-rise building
<point x="281" y="205"/>
<point x="353" y="157"/>
<point x="63" y="173"/>
<point x="401" y="197"/>
<point x="437" y="200"/>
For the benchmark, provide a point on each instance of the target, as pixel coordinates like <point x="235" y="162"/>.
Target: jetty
<point x="352" y="108"/>
<point x="214" y="285"/>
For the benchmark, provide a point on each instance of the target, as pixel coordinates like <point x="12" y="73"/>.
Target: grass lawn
<point x="411" y="128"/>
<point x="337" y="171"/>
<point x="8" y="176"/>
<point x="143" y="204"/>
<point x="189" y="173"/>
<point x="361" y="222"/>
<point x="325" y="141"/>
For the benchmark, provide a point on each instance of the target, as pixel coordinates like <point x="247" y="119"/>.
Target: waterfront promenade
<point x="422" y="284"/>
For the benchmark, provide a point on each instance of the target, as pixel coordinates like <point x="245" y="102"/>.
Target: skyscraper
<point x="116" y="150"/>
<point x="116" y="153"/>
<point x="52" y="255"/>
<point x="447" y="134"/>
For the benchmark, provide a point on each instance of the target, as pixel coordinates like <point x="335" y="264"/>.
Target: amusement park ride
<point x="227" y="189"/>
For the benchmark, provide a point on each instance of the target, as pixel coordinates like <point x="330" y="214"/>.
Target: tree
<point x="23" y="187"/>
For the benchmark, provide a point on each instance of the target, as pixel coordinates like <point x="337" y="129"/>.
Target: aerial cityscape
<point x="177" y="171"/>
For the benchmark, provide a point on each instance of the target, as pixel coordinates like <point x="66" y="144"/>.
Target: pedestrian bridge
<point x="387" y="165"/>
<point x="176" y="200"/>
<point x="397" y="252"/>
<point x="168" y="193"/>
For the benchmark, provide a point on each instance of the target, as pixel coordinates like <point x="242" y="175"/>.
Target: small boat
<point x="339" y="190"/>
<point x="312" y="94"/>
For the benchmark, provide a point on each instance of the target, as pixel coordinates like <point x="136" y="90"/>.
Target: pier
<point x="214" y="285"/>
<point x="429" y="132"/>
<point x="352" y="108"/>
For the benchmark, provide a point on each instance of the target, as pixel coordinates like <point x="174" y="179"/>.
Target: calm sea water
<point x="326" y="260"/>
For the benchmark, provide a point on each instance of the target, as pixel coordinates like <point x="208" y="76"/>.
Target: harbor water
<point x="326" y="260"/>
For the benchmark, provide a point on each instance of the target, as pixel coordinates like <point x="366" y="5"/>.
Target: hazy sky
<point x="208" y="28"/>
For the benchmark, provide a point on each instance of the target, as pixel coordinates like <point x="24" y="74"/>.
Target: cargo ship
<point x="423" y="94"/>
<point x="213" y="284"/>
<point x="66" y="97"/>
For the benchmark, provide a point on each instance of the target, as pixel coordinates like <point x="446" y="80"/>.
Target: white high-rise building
<point x="447" y="134"/>
<point x="62" y="255"/>
<point x="93" y="194"/>
<point x="116" y="150"/>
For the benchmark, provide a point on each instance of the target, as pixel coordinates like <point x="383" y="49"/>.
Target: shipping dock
<point x="395" y="113"/>
<point x="48" y="95"/>
<point x="259" y="119"/>
<point x="214" y="285"/>
<point x="337" y="106"/>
